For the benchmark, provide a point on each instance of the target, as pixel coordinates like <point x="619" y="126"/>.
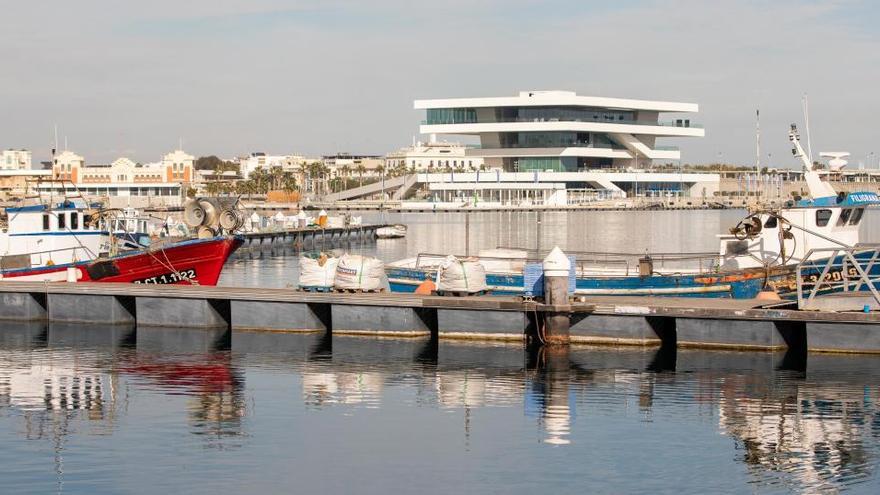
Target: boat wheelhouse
<point x="41" y="235"/>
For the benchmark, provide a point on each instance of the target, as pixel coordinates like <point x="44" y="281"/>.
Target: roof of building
<point x="557" y="98"/>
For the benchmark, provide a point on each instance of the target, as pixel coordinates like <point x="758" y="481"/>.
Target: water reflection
<point x="198" y="364"/>
<point x="797" y="422"/>
<point x="819" y="434"/>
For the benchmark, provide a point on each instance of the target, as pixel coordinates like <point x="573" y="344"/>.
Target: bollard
<point x="557" y="320"/>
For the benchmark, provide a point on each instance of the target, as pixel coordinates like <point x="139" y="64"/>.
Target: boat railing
<point x="699" y="262"/>
<point x="596" y="263"/>
<point x="44" y="258"/>
<point x="846" y="269"/>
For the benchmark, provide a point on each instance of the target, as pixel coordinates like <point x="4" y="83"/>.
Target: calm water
<point x="101" y="410"/>
<point x="444" y="233"/>
<point x="113" y="410"/>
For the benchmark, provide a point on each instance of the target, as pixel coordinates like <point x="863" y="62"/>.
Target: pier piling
<point x="557" y="321"/>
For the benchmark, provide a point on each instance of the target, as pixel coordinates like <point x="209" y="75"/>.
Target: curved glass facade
<point x="562" y="114"/>
<point x="555" y="140"/>
<point x="451" y="116"/>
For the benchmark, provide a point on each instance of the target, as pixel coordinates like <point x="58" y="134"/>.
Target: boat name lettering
<point x="832" y="275"/>
<point x="169" y="278"/>
<point x="867" y="197"/>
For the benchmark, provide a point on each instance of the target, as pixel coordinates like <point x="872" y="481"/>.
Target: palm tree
<point x="316" y="173"/>
<point x="360" y="170"/>
<point x="345" y="171"/>
<point x="277" y="176"/>
<point x="288" y="182"/>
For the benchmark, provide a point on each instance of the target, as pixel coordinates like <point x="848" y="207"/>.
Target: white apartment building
<point x="258" y="159"/>
<point x="11" y="159"/>
<point x="431" y="156"/>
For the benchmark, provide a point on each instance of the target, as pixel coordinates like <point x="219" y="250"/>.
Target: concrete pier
<point x="636" y="321"/>
<point x="308" y="238"/>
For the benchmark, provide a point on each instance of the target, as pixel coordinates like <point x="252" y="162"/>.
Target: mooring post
<point x="557" y="268"/>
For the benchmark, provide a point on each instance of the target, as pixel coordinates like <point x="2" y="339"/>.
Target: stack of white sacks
<point x="349" y="272"/>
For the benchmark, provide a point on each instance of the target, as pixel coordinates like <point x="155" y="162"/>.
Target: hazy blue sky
<point x="129" y="78"/>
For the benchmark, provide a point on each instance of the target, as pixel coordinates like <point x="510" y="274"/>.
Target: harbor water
<point x="111" y="410"/>
<point x="664" y="231"/>
<point x="96" y="409"/>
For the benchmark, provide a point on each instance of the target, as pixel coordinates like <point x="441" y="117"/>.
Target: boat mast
<point x="807" y="124"/>
<point x="758" y="141"/>
<point x="817" y="187"/>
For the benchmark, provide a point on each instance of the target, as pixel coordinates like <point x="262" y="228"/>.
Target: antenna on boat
<point x="807" y="125"/>
<point x="758" y="141"/>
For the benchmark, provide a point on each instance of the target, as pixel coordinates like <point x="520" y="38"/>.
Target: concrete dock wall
<point x="664" y="322"/>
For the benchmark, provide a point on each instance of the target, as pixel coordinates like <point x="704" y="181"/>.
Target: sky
<point x="318" y="77"/>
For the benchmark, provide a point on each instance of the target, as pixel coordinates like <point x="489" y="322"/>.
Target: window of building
<point x="822" y="217"/>
<point x="62" y="221"/>
<point x="74" y="221"/>
<point x="844" y="216"/>
<point x="857" y="216"/>
<point x="45" y="221"/>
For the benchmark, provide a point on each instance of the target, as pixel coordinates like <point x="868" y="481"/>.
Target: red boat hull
<point x="198" y="261"/>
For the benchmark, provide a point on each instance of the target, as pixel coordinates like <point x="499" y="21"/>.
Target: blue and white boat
<point x="764" y="249"/>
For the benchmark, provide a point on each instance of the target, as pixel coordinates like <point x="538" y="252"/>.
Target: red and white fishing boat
<point x="61" y="243"/>
<point x="196" y="261"/>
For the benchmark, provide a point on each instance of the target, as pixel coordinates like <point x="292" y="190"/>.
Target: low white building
<point x="154" y="183"/>
<point x="561" y="188"/>
<point x="346" y="164"/>
<point x="11" y="159"/>
<point x="433" y="156"/>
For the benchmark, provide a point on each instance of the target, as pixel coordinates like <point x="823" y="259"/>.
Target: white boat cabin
<point x="765" y="239"/>
<point x="826" y="219"/>
<point x="56" y="235"/>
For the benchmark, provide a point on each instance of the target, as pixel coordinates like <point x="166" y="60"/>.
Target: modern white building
<point x="11" y="159"/>
<point x="562" y="131"/>
<point x="558" y="144"/>
<point x="432" y="156"/>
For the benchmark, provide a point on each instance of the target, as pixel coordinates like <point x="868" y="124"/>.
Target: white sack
<point x="312" y="274"/>
<point x="461" y="276"/>
<point x="359" y="273"/>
